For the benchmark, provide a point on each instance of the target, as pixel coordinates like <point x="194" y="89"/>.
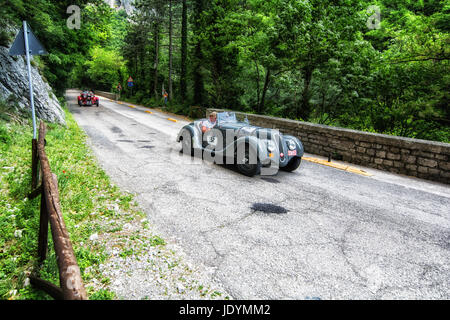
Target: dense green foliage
<point x="323" y="61"/>
<point x="315" y="60"/>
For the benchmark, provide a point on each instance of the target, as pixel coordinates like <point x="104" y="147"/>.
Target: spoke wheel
<point x="245" y="167"/>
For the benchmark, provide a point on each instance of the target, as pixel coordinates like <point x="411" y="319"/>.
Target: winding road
<point x="316" y="233"/>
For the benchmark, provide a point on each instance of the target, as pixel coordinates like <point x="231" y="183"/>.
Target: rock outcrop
<point x="14" y="87"/>
<point x="127" y="5"/>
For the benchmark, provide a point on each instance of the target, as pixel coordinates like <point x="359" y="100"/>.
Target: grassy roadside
<point x="87" y="198"/>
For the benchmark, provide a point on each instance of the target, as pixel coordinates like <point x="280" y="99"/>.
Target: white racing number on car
<point x="212" y="141"/>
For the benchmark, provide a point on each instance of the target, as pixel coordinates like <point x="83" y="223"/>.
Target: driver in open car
<point x="207" y="125"/>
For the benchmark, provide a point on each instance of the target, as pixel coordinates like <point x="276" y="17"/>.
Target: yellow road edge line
<point x="170" y="119"/>
<point x="359" y="171"/>
<point x="148" y="112"/>
<point x="338" y="166"/>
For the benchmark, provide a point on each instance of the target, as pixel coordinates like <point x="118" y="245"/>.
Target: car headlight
<point x="291" y="145"/>
<point x="271" y="146"/>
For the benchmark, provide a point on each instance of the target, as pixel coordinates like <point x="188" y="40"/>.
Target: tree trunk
<point x="198" y="78"/>
<point x="183" y="86"/>
<point x="198" y="55"/>
<point x="170" y="50"/>
<point x="155" y="80"/>
<point x="305" y="108"/>
<point x="141" y="64"/>
<point x="266" y="86"/>
<point x="258" y="89"/>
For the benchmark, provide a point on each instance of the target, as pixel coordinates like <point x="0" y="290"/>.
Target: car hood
<point x="245" y="129"/>
<point x="259" y="132"/>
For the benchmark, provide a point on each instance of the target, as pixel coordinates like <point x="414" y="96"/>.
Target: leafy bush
<point x="5" y="139"/>
<point x="5" y="38"/>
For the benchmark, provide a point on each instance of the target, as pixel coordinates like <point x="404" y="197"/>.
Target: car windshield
<point x="226" y="117"/>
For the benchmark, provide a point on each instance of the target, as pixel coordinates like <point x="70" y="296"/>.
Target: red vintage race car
<point x="88" y="98"/>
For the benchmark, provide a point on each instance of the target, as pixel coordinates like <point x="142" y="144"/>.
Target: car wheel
<point x="245" y="167"/>
<point x="79" y="103"/>
<point x="292" y="165"/>
<point x="186" y="143"/>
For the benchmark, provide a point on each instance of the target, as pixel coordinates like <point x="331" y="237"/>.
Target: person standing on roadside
<point x="166" y="96"/>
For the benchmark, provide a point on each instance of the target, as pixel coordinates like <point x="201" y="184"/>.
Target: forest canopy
<point x="379" y="66"/>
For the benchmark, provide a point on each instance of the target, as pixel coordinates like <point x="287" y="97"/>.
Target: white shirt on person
<point x="208" y="124"/>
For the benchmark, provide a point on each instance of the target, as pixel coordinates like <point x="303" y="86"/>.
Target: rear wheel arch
<point x="186" y="134"/>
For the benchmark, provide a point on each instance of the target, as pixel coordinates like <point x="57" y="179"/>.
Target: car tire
<point x="247" y="169"/>
<point x="185" y="147"/>
<point x="292" y="165"/>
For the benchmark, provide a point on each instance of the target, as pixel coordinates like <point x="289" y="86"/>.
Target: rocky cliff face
<point x="128" y="5"/>
<point x="14" y="87"/>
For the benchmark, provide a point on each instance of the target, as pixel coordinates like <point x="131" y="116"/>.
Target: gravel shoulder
<point x="142" y="265"/>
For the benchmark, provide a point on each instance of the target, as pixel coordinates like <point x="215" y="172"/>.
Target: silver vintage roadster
<point x="253" y="149"/>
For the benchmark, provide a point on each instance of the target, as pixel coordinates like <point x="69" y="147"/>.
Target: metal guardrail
<point x="71" y="285"/>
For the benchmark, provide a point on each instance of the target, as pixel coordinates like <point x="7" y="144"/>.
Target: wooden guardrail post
<point x="43" y="229"/>
<point x="72" y="287"/>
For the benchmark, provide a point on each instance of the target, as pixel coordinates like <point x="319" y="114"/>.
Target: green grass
<point x="87" y="196"/>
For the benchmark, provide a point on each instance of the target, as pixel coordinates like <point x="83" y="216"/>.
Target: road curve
<point x="317" y="233"/>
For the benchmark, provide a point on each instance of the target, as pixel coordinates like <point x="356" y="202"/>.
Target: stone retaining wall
<point x="108" y="95"/>
<point x="420" y="158"/>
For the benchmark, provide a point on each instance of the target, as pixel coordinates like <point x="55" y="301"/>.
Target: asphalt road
<point x="316" y="233"/>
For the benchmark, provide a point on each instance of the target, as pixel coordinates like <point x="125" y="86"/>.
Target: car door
<point x="211" y="138"/>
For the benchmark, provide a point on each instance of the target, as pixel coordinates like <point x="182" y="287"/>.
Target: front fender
<point x="299" y="148"/>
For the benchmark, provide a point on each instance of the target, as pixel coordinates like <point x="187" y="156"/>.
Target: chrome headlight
<point x="271" y="146"/>
<point x="291" y="145"/>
